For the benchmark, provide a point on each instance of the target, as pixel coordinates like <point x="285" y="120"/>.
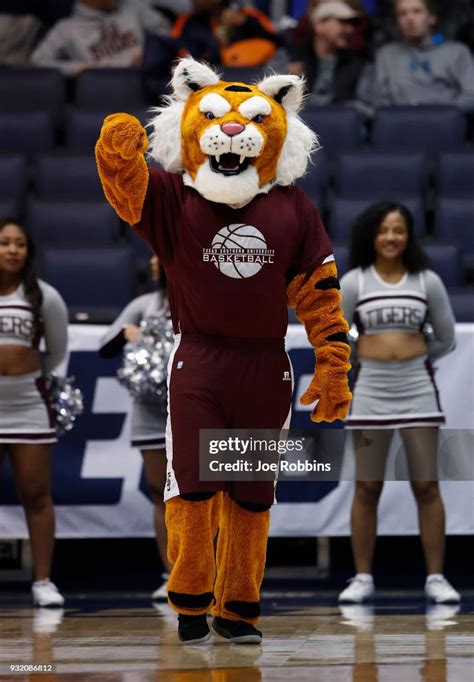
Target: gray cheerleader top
<point x="375" y="306"/>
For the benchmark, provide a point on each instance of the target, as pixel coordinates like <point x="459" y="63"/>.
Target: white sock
<point x="433" y="576"/>
<point x="365" y="577"/>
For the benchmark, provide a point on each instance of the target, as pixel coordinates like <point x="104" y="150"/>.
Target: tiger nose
<point x="232" y="128"/>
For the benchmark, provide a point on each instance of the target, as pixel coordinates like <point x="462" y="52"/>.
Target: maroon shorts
<point x="223" y="383"/>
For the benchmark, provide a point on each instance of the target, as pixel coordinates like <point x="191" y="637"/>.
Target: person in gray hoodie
<point x="100" y="33"/>
<point x="420" y="69"/>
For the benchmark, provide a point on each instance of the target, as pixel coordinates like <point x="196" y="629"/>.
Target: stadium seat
<point x="29" y="134"/>
<point x="445" y="259"/>
<point x="338" y="128"/>
<point x="32" y="89"/>
<point x="419" y="129"/>
<point x="9" y="209"/>
<point x="462" y="301"/>
<point x="83" y="128"/>
<point x="455" y="175"/>
<point x="455" y="222"/>
<point x="109" y="90"/>
<point x="314" y="183"/>
<point x="67" y="223"/>
<point x="345" y="211"/>
<point x="380" y="174"/>
<point x="67" y="176"/>
<point x="94" y="282"/>
<point x="341" y="254"/>
<point x="13" y="181"/>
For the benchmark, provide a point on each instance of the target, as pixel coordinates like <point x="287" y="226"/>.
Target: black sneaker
<point x="236" y="631"/>
<point x="193" y="629"/>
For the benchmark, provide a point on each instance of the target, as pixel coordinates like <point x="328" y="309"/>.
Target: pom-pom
<point x="144" y="367"/>
<point x="66" y="401"/>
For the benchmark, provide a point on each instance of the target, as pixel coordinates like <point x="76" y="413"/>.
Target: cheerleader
<point x="148" y="418"/>
<point x="390" y="294"/>
<point x="30" y="310"/>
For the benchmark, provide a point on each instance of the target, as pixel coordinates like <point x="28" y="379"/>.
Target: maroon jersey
<point x="228" y="269"/>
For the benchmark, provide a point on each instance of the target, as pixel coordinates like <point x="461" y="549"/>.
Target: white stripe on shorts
<point x="171" y="486"/>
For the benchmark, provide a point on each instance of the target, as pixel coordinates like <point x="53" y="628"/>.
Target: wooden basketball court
<point x="307" y="637"/>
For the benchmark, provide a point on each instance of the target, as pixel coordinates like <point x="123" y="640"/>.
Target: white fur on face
<point x="254" y="106"/>
<point x="234" y="190"/>
<point x="215" y="142"/>
<point x="295" y="155"/>
<point x="214" y="103"/>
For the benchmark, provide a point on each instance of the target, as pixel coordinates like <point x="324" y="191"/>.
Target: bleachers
<point x="63" y="176"/>
<point x="425" y="129"/>
<point x="72" y="223"/>
<point x="105" y="276"/>
<point x="339" y="129"/>
<point x="446" y="260"/>
<point x="28" y="133"/>
<point x="456" y="174"/>
<point x="455" y="220"/>
<point x="345" y="210"/>
<point x="109" y="90"/>
<point x="13" y="183"/>
<point x="32" y="90"/>
<point x="376" y="174"/>
<point x="416" y="155"/>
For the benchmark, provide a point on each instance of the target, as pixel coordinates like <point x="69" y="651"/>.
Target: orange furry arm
<point x="317" y="302"/>
<point x="122" y="167"/>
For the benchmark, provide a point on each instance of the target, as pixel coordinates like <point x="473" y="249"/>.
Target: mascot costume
<point x="239" y="242"/>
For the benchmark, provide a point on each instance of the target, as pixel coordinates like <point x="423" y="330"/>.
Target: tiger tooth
<point x="242" y="158"/>
<point x="218" y="157"/>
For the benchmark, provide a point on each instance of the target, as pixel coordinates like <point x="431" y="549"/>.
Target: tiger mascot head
<point x="231" y="141"/>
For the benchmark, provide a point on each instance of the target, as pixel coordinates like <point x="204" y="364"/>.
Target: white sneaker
<point x="440" y="591"/>
<point x="47" y="621"/>
<point x="161" y="594"/>
<point x="359" y="616"/>
<point x="46" y="594"/>
<point x="440" y="616"/>
<point x="359" y="590"/>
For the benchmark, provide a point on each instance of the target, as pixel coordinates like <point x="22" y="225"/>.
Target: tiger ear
<point x="189" y="76"/>
<point x="286" y="90"/>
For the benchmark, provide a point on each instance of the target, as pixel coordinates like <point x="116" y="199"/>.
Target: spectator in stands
<point x="18" y="37"/>
<point x="419" y="69"/>
<point x="30" y="310"/>
<point x="225" y="32"/>
<point x="99" y="34"/>
<point x="303" y="32"/>
<point x="332" y="70"/>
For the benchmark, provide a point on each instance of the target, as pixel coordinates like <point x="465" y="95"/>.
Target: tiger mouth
<point x="229" y="164"/>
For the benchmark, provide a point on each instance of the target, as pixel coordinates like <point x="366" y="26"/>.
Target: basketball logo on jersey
<point x="239" y="251"/>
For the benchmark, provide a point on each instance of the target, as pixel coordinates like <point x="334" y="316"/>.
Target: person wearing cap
<point x="331" y="69"/>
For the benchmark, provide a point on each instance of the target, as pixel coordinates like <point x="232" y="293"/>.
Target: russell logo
<point x="239" y="251"/>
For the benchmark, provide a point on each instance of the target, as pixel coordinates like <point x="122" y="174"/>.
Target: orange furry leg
<point x="191" y="531"/>
<point x="241" y="554"/>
